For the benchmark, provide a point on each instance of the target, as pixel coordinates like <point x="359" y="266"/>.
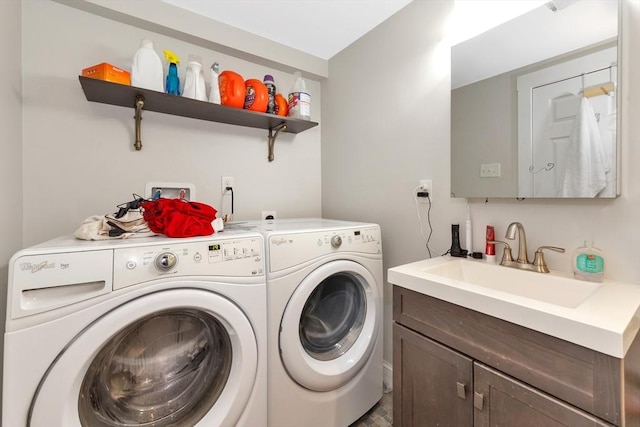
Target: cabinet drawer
<point x="582" y="377"/>
<point x="503" y="401"/>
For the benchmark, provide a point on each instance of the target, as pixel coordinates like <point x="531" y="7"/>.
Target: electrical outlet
<point x="227" y="181"/>
<point x="426" y="185"/>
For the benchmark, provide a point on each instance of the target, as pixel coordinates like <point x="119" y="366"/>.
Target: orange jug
<point x="232" y="90"/>
<point x="257" y="96"/>
<point x="282" y="105"/>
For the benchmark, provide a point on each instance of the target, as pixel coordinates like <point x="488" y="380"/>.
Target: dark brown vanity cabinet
<point x="431" y="382"/>
<point x="456" y="367"/>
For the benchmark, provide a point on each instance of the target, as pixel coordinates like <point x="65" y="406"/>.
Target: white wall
<point x="78" y="155"/>
<point x="386" y="125"/>
<point x="10" y="148"/>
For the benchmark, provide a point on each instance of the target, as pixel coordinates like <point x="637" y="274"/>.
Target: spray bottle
<point x="173" y="82"/>
<point x="214" y="95"/>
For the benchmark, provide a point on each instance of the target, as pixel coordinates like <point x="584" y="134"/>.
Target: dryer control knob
<point x="336" y="241"/>
<point x="166" y="261"/>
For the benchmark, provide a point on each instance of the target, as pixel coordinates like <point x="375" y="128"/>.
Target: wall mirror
<point x="533" y="105"/>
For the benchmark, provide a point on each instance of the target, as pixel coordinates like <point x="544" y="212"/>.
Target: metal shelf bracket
<point x="138" y="119"/>
<point x="272" y="137"/>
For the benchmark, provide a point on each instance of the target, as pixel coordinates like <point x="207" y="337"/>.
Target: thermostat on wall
<point x="171" y="190"/>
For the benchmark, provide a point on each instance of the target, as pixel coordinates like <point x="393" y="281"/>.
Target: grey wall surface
<point x="78" y="155"/>
<point x="386" y="119"/>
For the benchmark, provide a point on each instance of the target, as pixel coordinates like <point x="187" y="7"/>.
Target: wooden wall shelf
<point x="129" y="96"/>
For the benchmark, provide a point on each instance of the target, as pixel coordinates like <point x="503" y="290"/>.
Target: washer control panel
<point x="240" y="257"/>
<point x="290" y="249"/>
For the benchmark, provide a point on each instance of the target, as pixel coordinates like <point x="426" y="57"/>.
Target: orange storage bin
<point x="108" y="72"/>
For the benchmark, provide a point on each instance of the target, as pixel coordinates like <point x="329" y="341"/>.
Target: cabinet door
<point x="500" y="400"/>
<point x="432" y="383"/>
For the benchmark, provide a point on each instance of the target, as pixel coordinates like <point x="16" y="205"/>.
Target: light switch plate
<point x="490" y="170"/>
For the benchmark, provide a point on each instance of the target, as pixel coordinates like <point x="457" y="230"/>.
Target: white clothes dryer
<point x="141" y="332"/>
<point x="324" y="308"/>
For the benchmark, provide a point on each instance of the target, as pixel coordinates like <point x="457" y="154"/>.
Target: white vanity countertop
<point x="607" y="321"/>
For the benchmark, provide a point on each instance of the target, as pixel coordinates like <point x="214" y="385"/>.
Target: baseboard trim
<point x="387" y="376"/>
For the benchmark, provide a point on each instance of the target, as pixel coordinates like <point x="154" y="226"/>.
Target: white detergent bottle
<point x="194" y="80"/>
<point x="299" y="99"/>
<point x="146" y="71"/>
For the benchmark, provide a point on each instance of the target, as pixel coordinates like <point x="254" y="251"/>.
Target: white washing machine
<point x="141" y="332"/>
<point x="324" y="294"/>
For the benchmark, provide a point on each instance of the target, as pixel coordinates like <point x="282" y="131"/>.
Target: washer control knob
<point x="166" y="261"/>
<point x="336" y="241"/>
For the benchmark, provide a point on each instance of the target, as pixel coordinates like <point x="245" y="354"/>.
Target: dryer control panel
<point x="290" y="249"/>
<point x="241" y="257"/>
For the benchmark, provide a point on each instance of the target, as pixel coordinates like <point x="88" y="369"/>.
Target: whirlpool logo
<point x="281" y="241"/>
<point x="34" y="268"/>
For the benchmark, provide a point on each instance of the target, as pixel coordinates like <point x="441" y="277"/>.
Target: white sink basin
<point x="601" y="316"/>
<point x="543" y="287"/>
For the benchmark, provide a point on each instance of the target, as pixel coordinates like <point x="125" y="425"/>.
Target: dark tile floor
<point x="380" y="415"/>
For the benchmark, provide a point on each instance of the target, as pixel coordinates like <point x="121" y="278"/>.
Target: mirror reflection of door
<point x="555" y="107"/>
<point x="548" y="102"/>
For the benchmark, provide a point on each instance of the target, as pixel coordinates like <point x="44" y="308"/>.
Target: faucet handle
<point x="506" y="254"/>
<point x="538" y="260"/>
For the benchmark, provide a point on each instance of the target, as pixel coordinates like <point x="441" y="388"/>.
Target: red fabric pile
<point x="179" y="218"/>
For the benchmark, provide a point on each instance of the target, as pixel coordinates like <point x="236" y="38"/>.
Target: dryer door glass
<point x="168" y="368"/>
<point x="333" y="316"/>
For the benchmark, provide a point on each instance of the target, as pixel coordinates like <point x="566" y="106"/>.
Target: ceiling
<point x="535" y="36"/>
<point x="318" y="27"/>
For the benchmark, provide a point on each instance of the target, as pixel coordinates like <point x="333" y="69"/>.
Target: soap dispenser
<point x="588" y="263"/>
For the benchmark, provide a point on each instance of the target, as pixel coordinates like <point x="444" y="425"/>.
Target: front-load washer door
<point x="330" y="325"/>
<point x="183" y="357"/>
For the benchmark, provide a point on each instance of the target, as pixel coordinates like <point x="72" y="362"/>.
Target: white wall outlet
<point x="490" y="170"/>
<point x="426" y="185"/>
<point x="227" y="181"/>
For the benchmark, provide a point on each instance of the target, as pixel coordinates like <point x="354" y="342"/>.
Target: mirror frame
<point x="513" y="192"/>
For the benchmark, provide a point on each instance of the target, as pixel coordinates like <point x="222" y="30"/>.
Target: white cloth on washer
<point x="97" y="227"/>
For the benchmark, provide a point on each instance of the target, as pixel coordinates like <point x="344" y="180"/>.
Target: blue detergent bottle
<point x="173" y="81"/>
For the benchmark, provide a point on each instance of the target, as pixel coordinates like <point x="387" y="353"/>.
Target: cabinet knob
<point x="478" y="401"/>
<point x="461" y="391"/>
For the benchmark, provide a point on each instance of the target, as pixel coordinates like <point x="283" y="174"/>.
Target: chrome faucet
<point x="522" y="240"/>
<point x="538" y="265"/>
